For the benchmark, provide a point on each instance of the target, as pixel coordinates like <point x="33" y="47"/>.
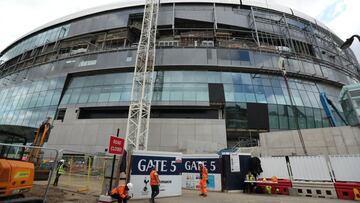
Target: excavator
<point x="18" y="166"/>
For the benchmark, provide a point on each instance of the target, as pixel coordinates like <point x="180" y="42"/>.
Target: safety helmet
<point x="62" y="160"/>
<point x="130" y="186"/>
<point x="201" y="163"/>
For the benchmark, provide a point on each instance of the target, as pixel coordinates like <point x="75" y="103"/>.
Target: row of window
<point x="31" y="117"/>
<point x="38" y="40"/>
<point x="281" y="117"/>
<point x="192" y="86"/>
<point x="31" y="95"/>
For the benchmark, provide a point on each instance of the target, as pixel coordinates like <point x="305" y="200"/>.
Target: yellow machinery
<point x="17" y="171"/>
<point x="16" y="175"/>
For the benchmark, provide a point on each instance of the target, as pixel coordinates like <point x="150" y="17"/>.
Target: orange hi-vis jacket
<point x="154" y="178"/>
<point x="204" y="173"/>
<point x="121" y="191"/>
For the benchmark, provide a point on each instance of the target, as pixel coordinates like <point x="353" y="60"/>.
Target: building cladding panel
<point x="84" y="62"/>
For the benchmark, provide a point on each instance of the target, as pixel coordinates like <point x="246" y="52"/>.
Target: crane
<point x="137" y="129"/>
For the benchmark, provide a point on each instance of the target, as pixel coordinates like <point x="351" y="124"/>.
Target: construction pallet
<point x="347" y="190"/>
<point x="315" y="189"/>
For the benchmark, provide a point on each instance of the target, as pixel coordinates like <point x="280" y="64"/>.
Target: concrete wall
<point x="185" y="135"/>
<point x="337" y="140"/>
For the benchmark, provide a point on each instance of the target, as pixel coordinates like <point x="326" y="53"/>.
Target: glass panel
<point x="305" y="98"/>
<point x="74" y="96"/>
<point x="270" y="96"/>
<point x="94" y="96"/>
<point x="279" y="96"/>
<point x="273" y="117"/>
<point x="55" y="99"/>
<point x="84" y="95"/>
<point x="283" y="117"/>
<point x="260" y="94"/>
<point x="105" y="94"/>
<point x="115" y="94"/>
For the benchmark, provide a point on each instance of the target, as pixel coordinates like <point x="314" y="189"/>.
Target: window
<point x="273" y="117"/>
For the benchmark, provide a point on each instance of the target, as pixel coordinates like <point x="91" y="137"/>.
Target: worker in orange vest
<point x="121" y="193"/>
<point x="203" y="179"/>
<point x="154" y="183"/>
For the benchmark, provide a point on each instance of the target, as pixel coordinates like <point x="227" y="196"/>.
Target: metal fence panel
<point x="346" y="167"/>
<point x="312" y="168"/>
<point x="274" y="166"/>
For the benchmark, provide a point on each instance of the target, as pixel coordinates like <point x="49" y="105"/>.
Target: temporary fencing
<point x="44" y="164"/>
<point x="334" y="176"/>
<point x="84" y="172"/>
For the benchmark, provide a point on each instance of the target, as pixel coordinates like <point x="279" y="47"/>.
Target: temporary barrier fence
<point x="347" y="190"/>
<point x="346" y="167"/>
<point x="274" y="166"/>
<point x="83" y="172"/>
<point x="315" y="189"/>
<point x="310" y="168"/>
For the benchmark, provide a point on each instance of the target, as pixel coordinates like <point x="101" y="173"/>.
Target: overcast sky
<point x="17" y="17"/>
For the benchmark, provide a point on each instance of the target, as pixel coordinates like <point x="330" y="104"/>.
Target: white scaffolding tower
<point x="137" y="129"/>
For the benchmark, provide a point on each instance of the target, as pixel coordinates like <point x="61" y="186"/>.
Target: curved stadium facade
<point x="217" y="78"/>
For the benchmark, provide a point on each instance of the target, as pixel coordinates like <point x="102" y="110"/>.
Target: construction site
<point x="262" y="97"/>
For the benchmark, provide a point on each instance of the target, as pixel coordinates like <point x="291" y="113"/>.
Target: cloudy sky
<point x="17" y="17"/>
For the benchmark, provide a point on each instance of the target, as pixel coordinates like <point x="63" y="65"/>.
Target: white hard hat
<point x="129" y="185"/>
<point x="62" y="160"/>
<point x="201" y="163"/>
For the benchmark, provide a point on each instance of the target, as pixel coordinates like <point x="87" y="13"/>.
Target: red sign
<point x="116" y="145"/>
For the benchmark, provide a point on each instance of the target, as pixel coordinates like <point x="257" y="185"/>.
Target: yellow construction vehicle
<point x="16" y="175"/>
<point x="17" y="170"/>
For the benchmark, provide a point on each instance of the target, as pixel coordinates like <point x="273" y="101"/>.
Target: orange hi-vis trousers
<point x="203" y="186"/>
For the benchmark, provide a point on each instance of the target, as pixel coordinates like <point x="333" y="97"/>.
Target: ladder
<point x="137" y="129"/>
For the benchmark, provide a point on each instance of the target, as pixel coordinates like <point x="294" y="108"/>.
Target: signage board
<point x="191" y="174"/>
<point x="116" y="145"/>
<point x="169" y="167"/>
<point x="234" y="162"/>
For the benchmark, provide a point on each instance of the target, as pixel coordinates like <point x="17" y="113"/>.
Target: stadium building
<point x="218" y="82"/>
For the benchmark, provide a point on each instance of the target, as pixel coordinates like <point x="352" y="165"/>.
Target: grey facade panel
<point x="181" y="56"/>
<point x="166" y="15"/>
<point x="104" y="21"/>
<point x="232" y="16"/>
<point x="203" y="13"/>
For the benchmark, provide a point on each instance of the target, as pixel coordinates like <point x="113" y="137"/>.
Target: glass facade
<point x="37" y="40"/>
<point x="29" y="104"/>
<point x="191" y="88"/>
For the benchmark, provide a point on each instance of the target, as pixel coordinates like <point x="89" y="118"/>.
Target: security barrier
<point x="345" y="190"/>
<point x="315" y="189"/>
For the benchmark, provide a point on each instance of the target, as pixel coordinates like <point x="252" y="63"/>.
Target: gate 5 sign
<point x="168" y="165"/>
<point x="116" y="145"/>
<point x="191" y="174"/>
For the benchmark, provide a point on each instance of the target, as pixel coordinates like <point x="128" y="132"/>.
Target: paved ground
<point x="83" y="190"/>
<point x="68" y="195"/>
<point x="217" y="197"/>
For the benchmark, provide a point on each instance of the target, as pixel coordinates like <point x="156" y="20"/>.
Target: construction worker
<point x="121" y="193"/>
<point x="203" y="179"/>
<point x="59" y="171"/>
<point x="154" y="183"/>
<point x="249" y="186"/>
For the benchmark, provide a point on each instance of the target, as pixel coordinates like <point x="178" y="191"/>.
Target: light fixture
<point x="349" y="41"/>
